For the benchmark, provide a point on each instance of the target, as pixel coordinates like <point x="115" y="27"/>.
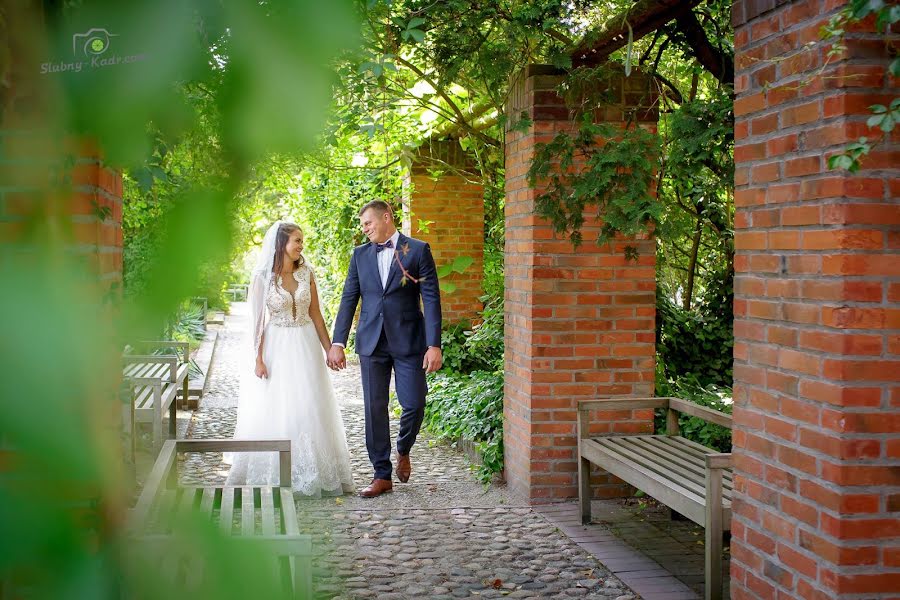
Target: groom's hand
<point x="336" y="358"/>
<point x="433" y="360"/>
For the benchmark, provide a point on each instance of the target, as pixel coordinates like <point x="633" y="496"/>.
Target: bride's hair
<point x="281" y="239"/>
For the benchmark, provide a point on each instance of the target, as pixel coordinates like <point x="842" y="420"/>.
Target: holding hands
<point x="336" y="359"/>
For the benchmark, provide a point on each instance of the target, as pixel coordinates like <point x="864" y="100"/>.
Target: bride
<point x="291" y="396"/>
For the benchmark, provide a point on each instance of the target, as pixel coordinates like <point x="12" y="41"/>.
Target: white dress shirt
<point x="385" y="258"/>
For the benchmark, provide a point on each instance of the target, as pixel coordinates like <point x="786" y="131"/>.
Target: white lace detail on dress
<point x="318" y="472"/>
<point x="282" y="307"/>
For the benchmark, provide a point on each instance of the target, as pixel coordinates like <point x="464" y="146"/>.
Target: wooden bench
<point x="156" y="380"/>
<point x="684" y="475"/>
<point x="250" y="514"/>
<point x="238" y="292"/>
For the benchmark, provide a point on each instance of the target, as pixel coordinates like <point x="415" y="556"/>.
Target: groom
<point x="390" y="274"/>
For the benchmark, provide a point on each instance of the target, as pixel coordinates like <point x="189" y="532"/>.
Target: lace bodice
<point x="287" y="311"/>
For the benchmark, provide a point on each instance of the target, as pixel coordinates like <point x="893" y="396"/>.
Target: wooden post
<point x="284" y="461"/>
<point x="584" y="466"/>
<point x="715" y="463"/>
<point x="672" y="422"/>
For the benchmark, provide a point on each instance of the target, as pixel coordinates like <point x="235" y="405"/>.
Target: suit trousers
<point x="409" y="381"/>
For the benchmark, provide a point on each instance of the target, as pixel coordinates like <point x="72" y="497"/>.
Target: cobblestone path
<point x="442" y="535"/>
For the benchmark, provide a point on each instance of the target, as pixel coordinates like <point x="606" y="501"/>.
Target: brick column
<point x="84" y="199"/>
<point x="580" y="324"/>
<point x="817" y="314"/>
<point x="446" y="209"/>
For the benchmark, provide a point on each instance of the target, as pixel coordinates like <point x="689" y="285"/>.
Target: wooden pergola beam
<point x="643" y="17"/>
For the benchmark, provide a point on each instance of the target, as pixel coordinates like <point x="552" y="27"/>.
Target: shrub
<point x="469" y="406"/>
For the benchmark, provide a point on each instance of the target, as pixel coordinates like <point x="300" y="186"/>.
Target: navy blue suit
<point x="393" y="334"/>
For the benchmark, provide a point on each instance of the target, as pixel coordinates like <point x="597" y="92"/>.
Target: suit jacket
<point x="394" y="308"/>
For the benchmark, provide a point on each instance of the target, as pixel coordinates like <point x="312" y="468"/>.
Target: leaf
<point x="417" y="34"/>
<point x="415" y="22"/>
<point x="448" y="287"/>
<point x="461" y="263"/>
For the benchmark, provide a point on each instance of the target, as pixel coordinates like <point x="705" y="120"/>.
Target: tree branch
<point x="720" y="64"/>
<point x="460" y="118"/>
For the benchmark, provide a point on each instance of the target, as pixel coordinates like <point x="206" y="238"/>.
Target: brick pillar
<point x="580" y="324"/>
<point x="447" y="211"/>
<point x="83" y="198"/>
<point x="817" y="314"/>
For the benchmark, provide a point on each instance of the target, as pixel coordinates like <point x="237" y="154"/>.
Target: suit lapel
<point x="398" y="254"/>
<point x="372" y="261"/>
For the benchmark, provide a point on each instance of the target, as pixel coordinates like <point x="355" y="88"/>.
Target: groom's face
<point x="378" y="227"/>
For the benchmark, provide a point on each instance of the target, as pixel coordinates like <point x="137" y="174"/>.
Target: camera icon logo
<point x="93" y="42"/>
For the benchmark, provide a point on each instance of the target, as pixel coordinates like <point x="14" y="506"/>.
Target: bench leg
<point x="584" y="489"/>
<point x="173" y="414"/>
<point x="714" y="525"/>
<point x="303" y="588"/>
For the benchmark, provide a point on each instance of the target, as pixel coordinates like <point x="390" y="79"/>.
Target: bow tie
<point x="380" y="247"/>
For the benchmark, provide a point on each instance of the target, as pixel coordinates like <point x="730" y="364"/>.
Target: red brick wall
<point x="580" y="324"/>
<point x="85" y="192"/>
<point x="817" y="315"/>
<point x="454" y="204"/>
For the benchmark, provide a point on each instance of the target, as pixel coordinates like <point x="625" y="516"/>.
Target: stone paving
<point x="443" y="535"/>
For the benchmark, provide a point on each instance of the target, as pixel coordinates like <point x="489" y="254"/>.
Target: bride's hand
<point x="261" y="370"/>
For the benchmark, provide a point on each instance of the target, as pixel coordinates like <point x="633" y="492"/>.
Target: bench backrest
<point x="672" y="406"/>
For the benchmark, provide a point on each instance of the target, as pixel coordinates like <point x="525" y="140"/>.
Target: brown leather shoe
<point x="377" y="488"/>
<point x="404" y="468"/>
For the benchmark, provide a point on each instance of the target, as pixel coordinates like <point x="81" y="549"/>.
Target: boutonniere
<point x="404" y="249"/>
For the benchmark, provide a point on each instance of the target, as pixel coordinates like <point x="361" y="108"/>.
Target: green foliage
<point x="219" y="84"/>
<point x="696" y="343"/>
<point x="479" y="348"/>
<point x="614" y="176"/>
<point x="884" y="118"/>
<point x="694" y="428"/>
<point x="469" y="406"/>
<point x="189" y="323"/>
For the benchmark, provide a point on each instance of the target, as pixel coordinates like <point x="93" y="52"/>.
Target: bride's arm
<point x="315" y="313"/>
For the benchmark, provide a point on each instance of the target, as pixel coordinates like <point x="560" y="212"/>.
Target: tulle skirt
<point x="296" y="402"/>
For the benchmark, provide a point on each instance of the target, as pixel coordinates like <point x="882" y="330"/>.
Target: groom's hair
<point x="380" y="207"/>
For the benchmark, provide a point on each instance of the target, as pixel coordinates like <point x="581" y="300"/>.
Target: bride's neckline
<point x="279" y="281"/>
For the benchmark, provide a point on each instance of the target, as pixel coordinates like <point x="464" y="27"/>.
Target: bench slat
<point x="677" y="464"/>
<point x="226" y="513"/>
<point x="610" y="459"/>
<point x="208" y="502"/>
<point x="667" y="450"/>
<point x="248" y="515"/>
<point x="267" y="506"/>
<point x="695" y="446"/>
<point x="661" y="472"/>
<point x="674" y="449"/>
<point x="288" y="512"/>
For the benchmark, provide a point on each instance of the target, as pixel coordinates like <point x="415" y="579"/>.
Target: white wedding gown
<point x="296" y="402"/>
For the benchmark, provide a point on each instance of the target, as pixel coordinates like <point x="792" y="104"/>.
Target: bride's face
<point x="294" y="246"/>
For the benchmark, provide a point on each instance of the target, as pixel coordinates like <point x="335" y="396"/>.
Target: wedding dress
<point x="296" y="401"/>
